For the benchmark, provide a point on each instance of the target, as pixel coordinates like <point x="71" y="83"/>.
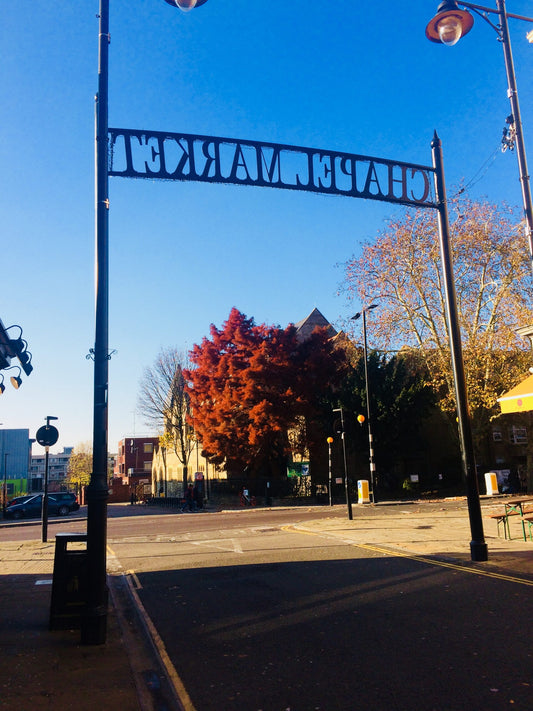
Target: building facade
<point x="57" y="470"/>
<point x="15" y="452"/>
<point x="168" y="470"/>
<point x="133" y="463"/>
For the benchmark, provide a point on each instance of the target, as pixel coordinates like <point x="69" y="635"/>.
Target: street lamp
<point x="329" y="441"/>
<point x="447" y="27"/>
<point x="346" y="485"/>
<point x="186" y="5"/>
<point x="94" y="621"/>
<point x="16" y="380"/>
<point x="373" y="482"/>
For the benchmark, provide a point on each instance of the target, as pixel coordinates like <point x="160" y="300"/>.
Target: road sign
<point x="47" y="435"/>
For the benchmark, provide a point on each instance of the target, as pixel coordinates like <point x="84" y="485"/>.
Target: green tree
<point x="80" y="466"/>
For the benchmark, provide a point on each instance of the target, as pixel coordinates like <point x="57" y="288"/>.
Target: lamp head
<point x="329" y="440"/>
<point x="16" y="381"/>
<point x="186" y="5"/>
<point x="360" y="419"/>
<point x="363" y="310"/>
<point x="449" y="24"/>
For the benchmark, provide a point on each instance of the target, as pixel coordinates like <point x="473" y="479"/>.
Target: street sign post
<point x="46" y="436"/>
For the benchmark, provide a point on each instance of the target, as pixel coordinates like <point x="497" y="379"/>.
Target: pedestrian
<point x="245" y="496"/>
<point x="522" y="476"/>
<point x="199" y="493"/>
<point x="189" y="503"/>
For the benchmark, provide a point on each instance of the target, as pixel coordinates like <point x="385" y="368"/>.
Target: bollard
<point x="491" y="482"/>
<point x="363" y="496"/>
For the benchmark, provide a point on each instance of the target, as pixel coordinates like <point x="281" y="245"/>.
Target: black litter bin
<point x="69" y="584"/>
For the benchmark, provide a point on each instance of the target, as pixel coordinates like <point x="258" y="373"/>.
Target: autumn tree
<point x="248" y="388"/>
<point x="80" y="466"/>
<point x="401" y="269"/>
<point x="164" y="404"/>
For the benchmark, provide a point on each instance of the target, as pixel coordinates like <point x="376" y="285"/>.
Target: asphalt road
<point x="256" y="615"/>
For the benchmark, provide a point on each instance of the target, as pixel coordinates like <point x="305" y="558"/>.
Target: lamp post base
<point x="94" y="625"/>
<point x="479" y="551"/>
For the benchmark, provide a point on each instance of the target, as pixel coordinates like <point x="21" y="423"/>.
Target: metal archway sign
<point x="157" y="155"/>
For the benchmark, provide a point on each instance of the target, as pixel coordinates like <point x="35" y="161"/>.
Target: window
<point x="518" y="435"/>
<point x="148" y="466"/>
<point x="497" y="435"/>
<point x="148" y="448"/>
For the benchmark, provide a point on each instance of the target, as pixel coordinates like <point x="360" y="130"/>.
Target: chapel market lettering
<point x="185" y="157"/>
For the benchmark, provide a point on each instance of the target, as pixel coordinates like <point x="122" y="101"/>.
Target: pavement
<point x="45" y="670"/>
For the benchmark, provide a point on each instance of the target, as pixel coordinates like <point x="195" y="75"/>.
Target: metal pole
<point x="94" y="621"/>
<point x="512" y="93"/>
<point x="369" y="418"/>
<point x="346" y="486"/>
<point x="44" y="515"/>
<point x="329" y="440"/>
<point x="478" y="547"/>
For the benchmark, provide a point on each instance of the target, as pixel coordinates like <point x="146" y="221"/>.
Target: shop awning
<point x="519" y="398"/>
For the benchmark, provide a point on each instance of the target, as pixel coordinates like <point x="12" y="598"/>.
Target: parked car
<point x="20" y="499"/>
<point x="59" y="503"/>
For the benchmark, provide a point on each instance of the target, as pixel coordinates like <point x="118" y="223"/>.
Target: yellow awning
<point x="519" y="398"/>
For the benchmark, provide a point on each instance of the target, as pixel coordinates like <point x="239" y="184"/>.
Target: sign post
<point x="46" y="436"/>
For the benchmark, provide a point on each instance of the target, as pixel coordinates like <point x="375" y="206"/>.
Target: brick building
<point x="133" y="464"/>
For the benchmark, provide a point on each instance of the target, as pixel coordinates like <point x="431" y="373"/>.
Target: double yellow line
<point x="444" y="564"/>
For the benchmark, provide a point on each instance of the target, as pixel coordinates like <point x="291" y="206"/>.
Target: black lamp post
<point x="373" y="482"/>
<point x="447" y="27"/>
<point x="346" y="483"/>
<point x="329" y="441"/>
<point x="94" y="622"/>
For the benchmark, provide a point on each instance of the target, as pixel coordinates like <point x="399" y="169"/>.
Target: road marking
<point x="443" y="564"/>
<point x="173" y="676"/>
<point x="223" y="544"/>
<point x="414" y="556"/>
<point x="136" y="580"/>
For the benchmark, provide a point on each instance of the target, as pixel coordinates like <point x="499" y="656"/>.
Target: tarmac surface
<point x="46" y="670"/>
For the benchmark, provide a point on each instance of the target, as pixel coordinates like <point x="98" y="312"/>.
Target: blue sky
<point x="347" y="76"/>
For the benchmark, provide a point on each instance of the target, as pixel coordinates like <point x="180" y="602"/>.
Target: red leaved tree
<point x="250" y="385"/>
